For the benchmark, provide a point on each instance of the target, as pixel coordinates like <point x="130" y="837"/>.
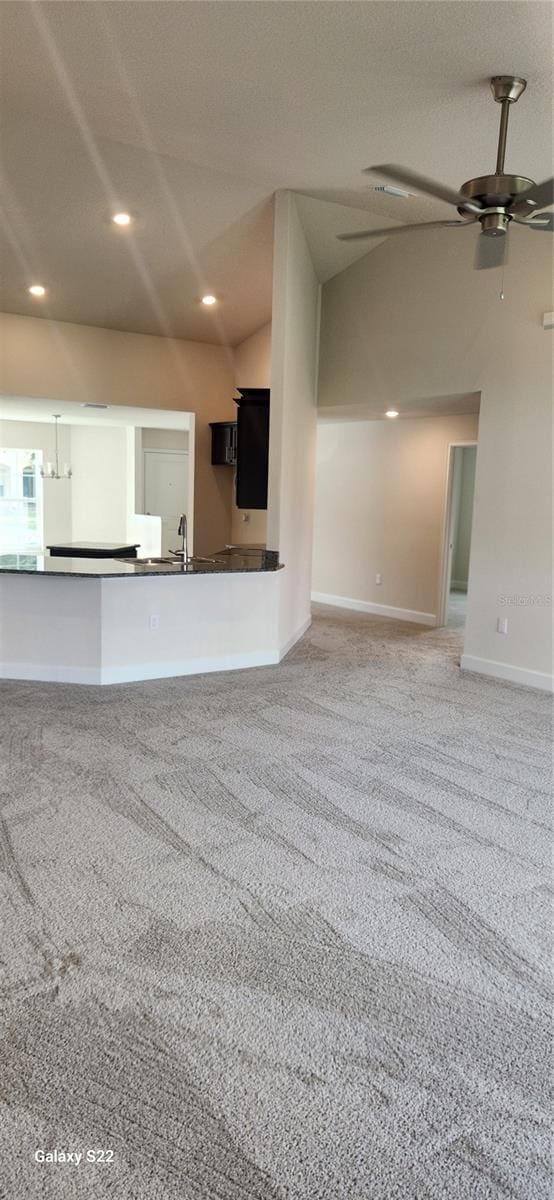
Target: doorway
<point x="166" y="491"/>
<point x="458" y="525"/>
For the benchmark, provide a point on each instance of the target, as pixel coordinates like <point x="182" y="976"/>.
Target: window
<point x="21" y="516"/>
<point x="29" y="483"/>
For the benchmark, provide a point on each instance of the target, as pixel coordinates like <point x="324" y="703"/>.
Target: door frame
<point x="190" y="483"/>
<point x="443" y="589"/>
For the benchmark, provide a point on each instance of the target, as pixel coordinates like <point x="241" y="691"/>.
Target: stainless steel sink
<point x="173" y="561"/>
<point x="147" y="562"/>
<point x="194" y="558"/>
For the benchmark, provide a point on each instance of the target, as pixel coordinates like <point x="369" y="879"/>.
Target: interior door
<point x="166" y="491"/>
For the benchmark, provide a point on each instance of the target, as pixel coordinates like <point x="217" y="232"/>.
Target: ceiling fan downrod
<point x="506" y="89"/>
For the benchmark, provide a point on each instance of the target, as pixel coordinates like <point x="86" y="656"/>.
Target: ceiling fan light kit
<point x="492" y="200"/>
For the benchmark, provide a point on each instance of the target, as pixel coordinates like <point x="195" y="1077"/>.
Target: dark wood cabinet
<point x="224" y="443"/>
<point x="252" y="447"/>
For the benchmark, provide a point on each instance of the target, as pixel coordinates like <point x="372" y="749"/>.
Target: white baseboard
<point x="191" y="666"/>
<point x="378" y="610"/>
<point x="136" y="672"/>
<point x="505" y="671"/>
<point x="295" y="638"/>
<point x="46" y="673"/>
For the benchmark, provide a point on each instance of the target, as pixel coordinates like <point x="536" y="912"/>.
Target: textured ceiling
<point x="190" y="115"/>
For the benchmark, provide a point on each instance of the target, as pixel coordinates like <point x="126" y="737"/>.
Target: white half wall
<point x="101" y="631"/>
<point x="379" y="510"/>
<point x="294" y="354"/>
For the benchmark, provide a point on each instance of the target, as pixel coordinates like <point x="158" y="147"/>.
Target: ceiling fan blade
<point x="369" y="233"/>
<point x="544" y="221"/>
<point x="490" y="252"/>
<point x="541" y="195"/>
<point x="421" y="183"/>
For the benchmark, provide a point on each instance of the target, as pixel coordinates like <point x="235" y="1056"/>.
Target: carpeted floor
<point x="281" y="933"/>
<point x="457" y="605"/>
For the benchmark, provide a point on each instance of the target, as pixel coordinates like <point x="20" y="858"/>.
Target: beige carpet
<point x="281" y="933"/>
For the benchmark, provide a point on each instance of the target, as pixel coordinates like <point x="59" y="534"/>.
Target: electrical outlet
<point x="378" y="578"/>
<point x="154" y="622"/>
<point x="502" y="625"/>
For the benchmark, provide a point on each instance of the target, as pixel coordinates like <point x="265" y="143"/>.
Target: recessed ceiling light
<point x="208" y="300"/>
<point x="37" y="289"/>
<point x="121" y="219"/>
<point x="391" y="412"/>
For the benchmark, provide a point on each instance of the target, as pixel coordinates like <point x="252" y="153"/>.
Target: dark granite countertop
<point x="228" y="563"/>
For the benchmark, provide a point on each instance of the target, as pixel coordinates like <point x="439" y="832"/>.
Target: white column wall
<point x="294" y="353"/>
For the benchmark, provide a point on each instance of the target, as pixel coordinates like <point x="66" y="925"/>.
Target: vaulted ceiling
<point x="190" y="116"/>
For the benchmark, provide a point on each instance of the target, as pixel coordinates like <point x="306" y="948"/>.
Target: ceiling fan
<point x="493" y="200"/>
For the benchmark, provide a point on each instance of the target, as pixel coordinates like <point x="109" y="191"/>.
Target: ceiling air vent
<point x="390" y="190"/>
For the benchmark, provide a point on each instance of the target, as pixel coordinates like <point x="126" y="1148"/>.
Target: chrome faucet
<point x="182" y="531"/>
<point x="184" y="551"/>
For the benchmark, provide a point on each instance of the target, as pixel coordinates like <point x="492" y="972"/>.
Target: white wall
<point x="294" y="350"/>
<point x="56" y="493"/>
<point x="413" y="319"/>
<point x="252" y="369"/>
<point x="380" y="501"/>
<point x="99" y="486"/>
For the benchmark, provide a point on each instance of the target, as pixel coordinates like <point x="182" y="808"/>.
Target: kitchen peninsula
<point x="102" y="621"/>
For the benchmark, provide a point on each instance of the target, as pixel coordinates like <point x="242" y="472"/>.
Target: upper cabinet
<point x="252" y="447"/>
<point x="224" y="443"/>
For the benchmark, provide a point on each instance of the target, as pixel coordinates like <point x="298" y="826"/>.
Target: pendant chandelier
<point x="52" y="470"/>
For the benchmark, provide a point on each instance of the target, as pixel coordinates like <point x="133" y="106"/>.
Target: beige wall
<point x="380" y="502"/>
<point x="80" y="363"/>
<point x="252" y="369"/>
<point x="413" y="319"/>
<point x="294" y="350"/>
<point x="253" y="359"/>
